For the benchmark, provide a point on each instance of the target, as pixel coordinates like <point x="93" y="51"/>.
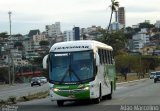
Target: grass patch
<point x="34" y="96"/>
<point x="2" y="102"/>
<point x="13" y="100"/>
<point x="9" y="101"/>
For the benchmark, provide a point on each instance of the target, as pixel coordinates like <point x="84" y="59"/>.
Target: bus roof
<point x="78" y="46"/>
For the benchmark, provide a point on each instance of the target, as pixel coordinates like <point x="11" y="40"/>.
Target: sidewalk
<point x="3" y="86"/>
<point x="20" y="90"/>
<point x="7" y="86"/>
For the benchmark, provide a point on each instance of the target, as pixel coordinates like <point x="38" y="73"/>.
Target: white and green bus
<point x="80" y="70"/>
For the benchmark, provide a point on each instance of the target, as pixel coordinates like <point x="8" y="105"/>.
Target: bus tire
<point x="60" y="103"/>
<point x="98" y="100"/>
<point x="109" y="96"/>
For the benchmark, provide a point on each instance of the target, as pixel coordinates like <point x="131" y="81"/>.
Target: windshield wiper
<point x="70" y="71"/>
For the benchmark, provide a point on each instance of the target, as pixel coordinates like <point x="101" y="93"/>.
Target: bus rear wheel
<point x="109" y="96"/>
<point x="60" y="103"/>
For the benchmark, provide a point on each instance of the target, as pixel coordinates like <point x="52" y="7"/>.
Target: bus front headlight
<point x="55" y="89"/>
<point x="86" y="88"/>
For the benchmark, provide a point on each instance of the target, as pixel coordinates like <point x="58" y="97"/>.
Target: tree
<point x="116" y="39"/>
<point x="129" y="32"/>
<point x="18" y="45"/>
<point x="146" y="25"/>
<point x="3" y="35"/>
<point x="43" y="42"/>
<point x="114" y="5"/>
<point x="36" y="60"/>
<point x="136" y="63"/>
<point x="4" y="74"/>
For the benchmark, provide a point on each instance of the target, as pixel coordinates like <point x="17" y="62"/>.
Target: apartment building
<point x="37" y="38"/>
<point x="139" y="40"/>
<point x="157" y="24"/>
<point x="53" y="30"/>
<point x="121" y="16"/>
<point x="68" y="35"/>
<point x="115" y="26"/>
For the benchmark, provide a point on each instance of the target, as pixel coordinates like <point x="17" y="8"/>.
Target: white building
<point x="28" y="44"/>
<point x="116" y="26"/>
<point x="157" y="24"/>
<point x="68" y="35"/>
<point x="139" y="40"/>
<point x="53" y="30"/>
<point x="93" y="28"/>
<point x="37" y="38"/>
<point x="16" y="56"/>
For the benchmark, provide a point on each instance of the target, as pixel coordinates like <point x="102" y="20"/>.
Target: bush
<point x="2" y="102"/>
<point x="12" y="100"/>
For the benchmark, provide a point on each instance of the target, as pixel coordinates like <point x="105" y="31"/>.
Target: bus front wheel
<point x="60" y="103"/>
<point x="98" y="100"/>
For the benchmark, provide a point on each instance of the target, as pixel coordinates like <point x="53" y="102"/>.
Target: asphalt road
<point x="130" y="95"/>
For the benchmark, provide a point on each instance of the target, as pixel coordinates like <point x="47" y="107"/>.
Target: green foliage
<point x="137" y="30"/>
<point x="3" y="35"/>
<point x="18" y="45"/>
<point x="4" y="73"/>
<point x="114" y="5"/>
<point x="38" y="60"/>
<point x="12" y="99"/>
<point x="25" y="98"/>
<point x="34" y="96"/>
<point x="2" y="102"/>
<point x="116" y="39"/>
<point x="145" y="25"/>
<point x="129" y="29"/>
<point x="136" y="63"/>
<point x="41" y="43"/>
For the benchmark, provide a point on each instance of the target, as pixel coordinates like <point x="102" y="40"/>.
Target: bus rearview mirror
<point x="45" y="62"/>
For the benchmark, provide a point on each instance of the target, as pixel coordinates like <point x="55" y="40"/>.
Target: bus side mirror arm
<point x="45" y="62"/>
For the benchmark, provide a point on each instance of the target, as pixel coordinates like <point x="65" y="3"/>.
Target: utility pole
<point x="10" y="59"/>
<point x="10" y="21"/>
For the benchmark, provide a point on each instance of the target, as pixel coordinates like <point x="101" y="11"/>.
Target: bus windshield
<point x="71" y="67"/>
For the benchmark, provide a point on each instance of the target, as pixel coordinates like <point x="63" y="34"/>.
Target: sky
<point x="36" y="14"/>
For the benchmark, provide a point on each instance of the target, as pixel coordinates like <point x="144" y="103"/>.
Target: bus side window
<point x="111" y="57"/>
<point x="104" y="56"/>
<point x="108" y="61"/>
<point x="99" y="52"/>
<point x="100" y="55"/>
<point x="109" y="53"/>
